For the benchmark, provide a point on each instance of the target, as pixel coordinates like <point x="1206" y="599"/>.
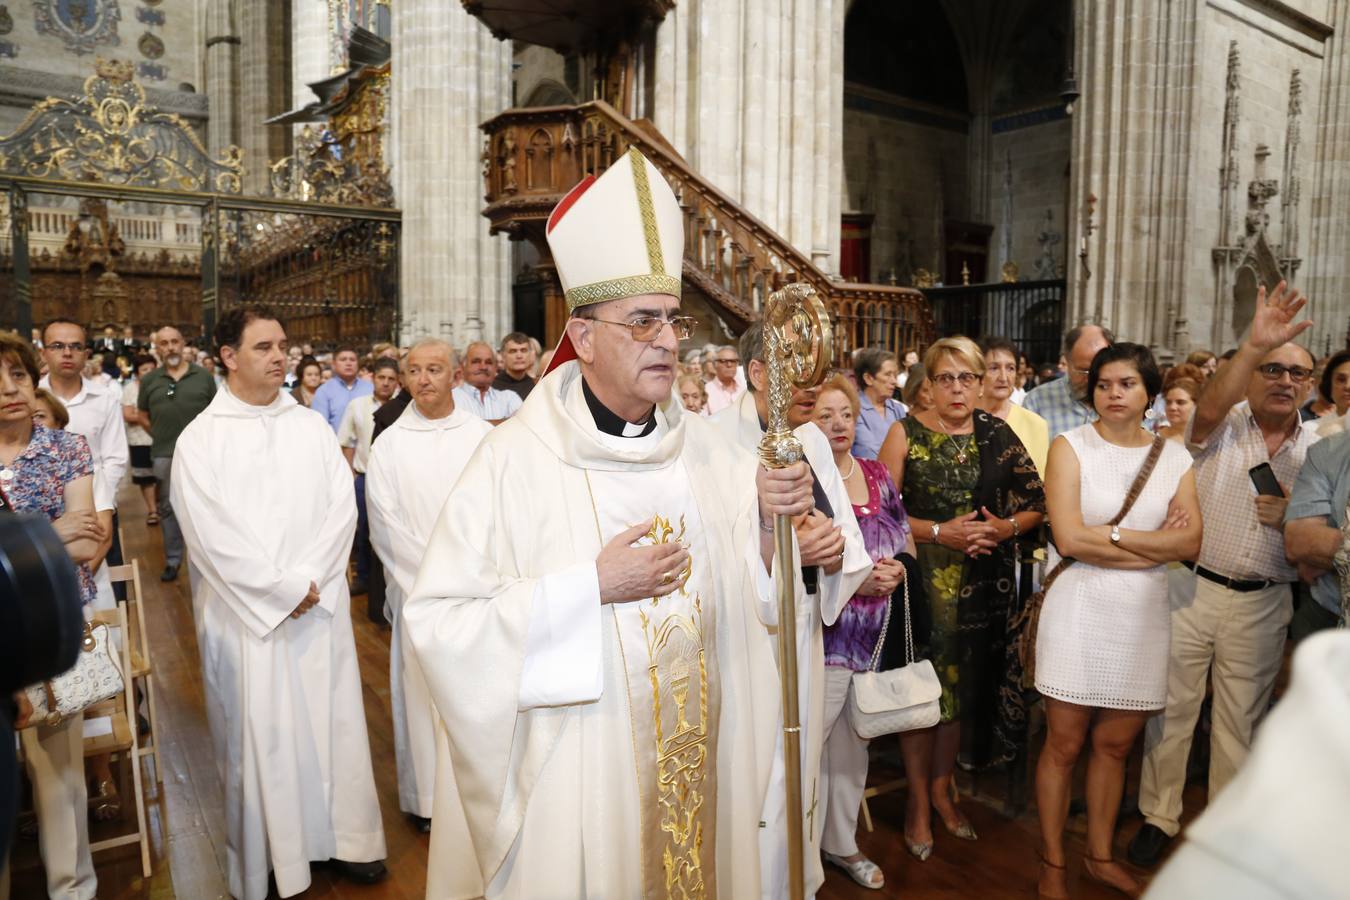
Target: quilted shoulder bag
<point x="901" y="699"/>
<point x="95" y="677"/>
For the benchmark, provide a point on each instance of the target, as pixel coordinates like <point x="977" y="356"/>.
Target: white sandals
<point x="863" y="871"/>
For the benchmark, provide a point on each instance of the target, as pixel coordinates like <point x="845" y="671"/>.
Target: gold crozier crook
<point x="797" y="342"/>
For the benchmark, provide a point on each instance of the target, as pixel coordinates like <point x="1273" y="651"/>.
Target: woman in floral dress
<point x="971" y="492"/>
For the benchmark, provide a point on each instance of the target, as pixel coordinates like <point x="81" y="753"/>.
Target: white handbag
<point x="900" y="699"/>
<point x="95" y="677"/>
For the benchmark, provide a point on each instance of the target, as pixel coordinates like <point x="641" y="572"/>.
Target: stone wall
<point x="1030" y="161"/>
<point x="905" y="164"/>
<point x="159" y="39"/>
<point x="1177" y="99"/>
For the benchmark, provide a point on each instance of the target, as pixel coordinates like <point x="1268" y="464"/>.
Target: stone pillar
<point x="222" y="76"/>
<point x="264" y="88"/>
<point x="1132" y="149"/>
<point x="449" y="75"/>
<point x="1327" y="279"/>
<point x="309" y="47"/>
<point x="750" y="92"/>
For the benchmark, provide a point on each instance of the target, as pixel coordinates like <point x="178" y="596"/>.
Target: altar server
<point x="411" y="471"/>
<point x="265" y="500"/>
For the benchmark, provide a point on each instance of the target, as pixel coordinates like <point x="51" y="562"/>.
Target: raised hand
<point x="629" y="573"/>
<point x="1273" y="324"/>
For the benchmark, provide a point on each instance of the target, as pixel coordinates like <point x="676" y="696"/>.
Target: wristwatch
<point x="936" y="528"/>
<point x="1115" y="534"/>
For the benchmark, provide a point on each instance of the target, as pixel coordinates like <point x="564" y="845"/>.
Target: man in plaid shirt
<point x="1229" y="620"/>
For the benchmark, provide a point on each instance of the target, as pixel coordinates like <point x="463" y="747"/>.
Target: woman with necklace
<point x="971" y="491"/>
<point x="51" y="473"/>
<point x="1103" y="639"/>
<point x="850" y="641"/>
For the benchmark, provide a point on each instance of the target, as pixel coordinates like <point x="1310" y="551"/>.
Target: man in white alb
<point x="411" y="471"/>
<point x="593" y="611"/>
<point x="265" y="501"/>
<point x="834" y="563"/>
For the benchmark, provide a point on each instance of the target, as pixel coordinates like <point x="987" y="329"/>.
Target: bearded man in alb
<point x="411" y="470"/>
<point x="834" y="562"/>
<point x="593" y="611"/>
<point x="265" y="500"/>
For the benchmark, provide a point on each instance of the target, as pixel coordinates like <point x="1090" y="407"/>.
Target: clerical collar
<point x="612" y="424"/>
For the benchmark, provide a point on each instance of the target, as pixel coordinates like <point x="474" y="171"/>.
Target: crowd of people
<point x="575" y="555"/>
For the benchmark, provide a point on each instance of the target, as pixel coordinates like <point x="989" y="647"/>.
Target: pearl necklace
<point x="853" y="465"/>
<point x="960" y="451"/>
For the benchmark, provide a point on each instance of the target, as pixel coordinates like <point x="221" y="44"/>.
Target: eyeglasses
<point x="946" y="380"/>
<point x="726" y="362"/>
<point x="173" y="386"/>
<point x="1273" y="371"/>
<point x="648" y="328"/>
<point x="60" y="346"/>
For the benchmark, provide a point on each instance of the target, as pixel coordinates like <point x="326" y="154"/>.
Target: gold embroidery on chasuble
<point x="674" y="701"/>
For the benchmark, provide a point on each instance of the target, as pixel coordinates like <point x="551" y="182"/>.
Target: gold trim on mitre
<point x="621" y="289"/>
<point x="647" y="210"/>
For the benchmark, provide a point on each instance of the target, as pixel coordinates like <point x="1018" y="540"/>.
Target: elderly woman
<point x="49" y="411"/>
<point x="849" y="642"/>
<point x="1180" y="390"/>
<point x="308" y="377"/>
<point x="1000" y="383"/>
<point x="876" y="371"/>
<point x="971" y="490"/>
<point x="51" y="473"/>
<point x="693" y="395"/>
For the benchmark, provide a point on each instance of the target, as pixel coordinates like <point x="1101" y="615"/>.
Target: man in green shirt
<point x="171" y="397"/>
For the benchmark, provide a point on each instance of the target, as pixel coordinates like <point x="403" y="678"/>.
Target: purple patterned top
<point x="51" y="460"/>
<point x="885" y="529"/>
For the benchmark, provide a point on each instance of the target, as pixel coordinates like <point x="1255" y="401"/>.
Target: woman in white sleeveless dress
<point x="1102" y="642"/>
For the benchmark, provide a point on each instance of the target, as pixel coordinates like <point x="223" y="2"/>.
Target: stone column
<point x="1327" y="254"/>
<point x="449" y="75"/>
<point x="750" y="92"/>
<point x="222" y="76"/>
<point x="264" y="88"/>
<point x="1132" y="149"/>
<point x="309" y="47"/>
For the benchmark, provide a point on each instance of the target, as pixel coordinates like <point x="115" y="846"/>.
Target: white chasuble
<point x="408" y="476"/>
<point x="740" y="423"/>
<point x="617" y="750"/>
<point x="267" y="506"/>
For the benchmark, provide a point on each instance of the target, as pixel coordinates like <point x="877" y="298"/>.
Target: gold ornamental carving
<point x="111" y="136"/>
<point x="342" y="162"/>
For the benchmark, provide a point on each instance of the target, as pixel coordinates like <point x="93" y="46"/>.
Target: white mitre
<point x="616" y="236"/>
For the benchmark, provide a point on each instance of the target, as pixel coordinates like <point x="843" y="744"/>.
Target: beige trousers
<point x="1241" y="636"/>
<point x="55" y="759"/>
<point x="843" y="768"/>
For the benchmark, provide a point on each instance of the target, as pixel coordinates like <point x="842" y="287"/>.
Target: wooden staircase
<point x="534" y="156"/>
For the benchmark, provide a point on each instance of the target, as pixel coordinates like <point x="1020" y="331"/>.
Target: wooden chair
<point x="123" y="738"/>
<point x="141" y="664"/>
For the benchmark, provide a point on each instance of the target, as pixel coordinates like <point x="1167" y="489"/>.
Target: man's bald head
<point x="430" y="347"/>
<point x="1081" y="344"/>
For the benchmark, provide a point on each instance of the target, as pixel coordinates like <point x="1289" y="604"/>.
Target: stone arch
<point x="549" y="92"/>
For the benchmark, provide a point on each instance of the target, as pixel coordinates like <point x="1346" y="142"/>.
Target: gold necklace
<point x="960" y="451"/>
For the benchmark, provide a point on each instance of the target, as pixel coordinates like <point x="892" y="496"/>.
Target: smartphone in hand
<point x="1263" y="478"/>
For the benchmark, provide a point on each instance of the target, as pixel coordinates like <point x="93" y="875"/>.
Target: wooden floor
<point x="187" y="820"/>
